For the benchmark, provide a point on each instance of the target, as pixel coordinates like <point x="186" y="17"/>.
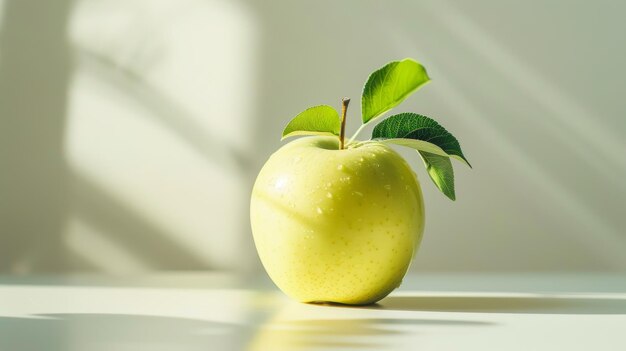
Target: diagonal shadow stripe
<point x="124" y="225"/>
<point x="167" y="112"/>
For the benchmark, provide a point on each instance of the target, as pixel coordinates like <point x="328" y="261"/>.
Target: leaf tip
<point x="460" y="157"/>
<point x="420" y="66"/>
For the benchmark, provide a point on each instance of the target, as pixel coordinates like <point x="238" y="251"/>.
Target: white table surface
<point x="223" y="312"/>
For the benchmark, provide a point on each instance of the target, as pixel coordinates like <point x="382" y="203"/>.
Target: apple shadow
<point x="503" y="304"/>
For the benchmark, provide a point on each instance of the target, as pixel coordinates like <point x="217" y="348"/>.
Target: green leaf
<point x="389" y="86"/>
<point x="440" y="171"/>
<point x="316" y="120"/>
<point x="413" y="126"/>
<point x="433" y="142"/>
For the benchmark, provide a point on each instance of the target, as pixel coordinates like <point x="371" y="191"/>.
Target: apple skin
<point x="336" y="225"/>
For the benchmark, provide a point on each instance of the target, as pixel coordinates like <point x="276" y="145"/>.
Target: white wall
<point x="167" y="110"/>
<point x="532" y="89"/>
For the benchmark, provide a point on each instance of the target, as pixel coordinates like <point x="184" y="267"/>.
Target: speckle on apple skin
<point x="362" y="248"/>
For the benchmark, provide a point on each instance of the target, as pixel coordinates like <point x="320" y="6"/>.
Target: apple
<point x="338" y="220"/>
<point x="336" y="225"/>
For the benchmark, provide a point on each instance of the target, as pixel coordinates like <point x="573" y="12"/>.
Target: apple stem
<point x="344" y="109"/>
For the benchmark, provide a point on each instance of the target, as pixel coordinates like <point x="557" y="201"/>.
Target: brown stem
<point x="344" y="110"/>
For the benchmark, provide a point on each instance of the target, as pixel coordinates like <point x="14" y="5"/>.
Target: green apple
<point x="336" y="225"/>
<point x="338" y="220"/>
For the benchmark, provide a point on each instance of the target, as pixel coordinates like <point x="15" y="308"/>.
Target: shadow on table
<point x="63" y="332"/>
<point x="504" y="304"/>
<point x="342" y="333"/>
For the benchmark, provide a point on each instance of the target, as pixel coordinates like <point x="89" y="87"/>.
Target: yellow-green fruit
<point x="336" y="225"/>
